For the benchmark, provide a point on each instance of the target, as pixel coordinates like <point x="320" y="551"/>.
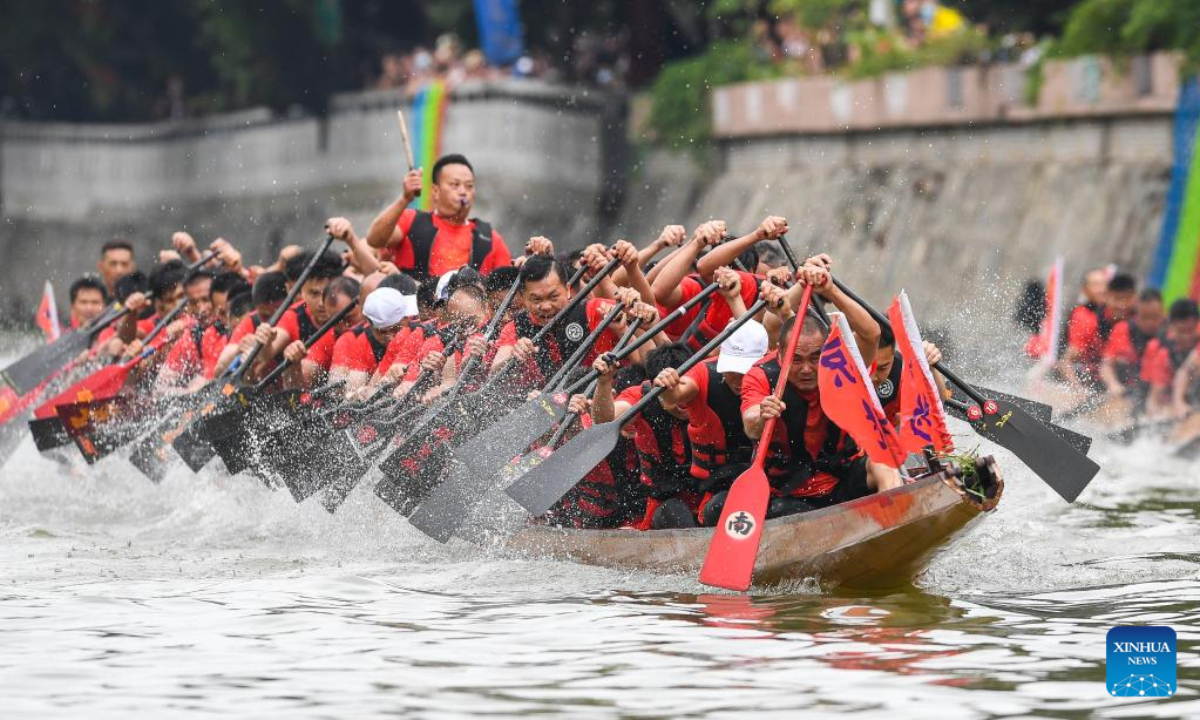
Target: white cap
<point x="387" y="306"/>
<point x="746" y="346"/>
<point x="443" y="285"/>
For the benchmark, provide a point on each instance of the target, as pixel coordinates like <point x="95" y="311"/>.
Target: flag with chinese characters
<point x="849" y="399"/>
<point x="922" y="416"/>
<point x="47" y="315"/>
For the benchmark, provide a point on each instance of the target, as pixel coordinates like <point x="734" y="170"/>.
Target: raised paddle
<point x="1048" y="455"/>
<point x="230" y="431"/>
<point x="544" y="485"/>
<point x="733" y="549"/>
<point x="190" y="443"/>
<point x="451" y="502"/>
<point x="33" y="369"/>
<point x="408" y="153"/>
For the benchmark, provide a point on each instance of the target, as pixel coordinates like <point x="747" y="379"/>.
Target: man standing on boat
<point x="430" y="244"/>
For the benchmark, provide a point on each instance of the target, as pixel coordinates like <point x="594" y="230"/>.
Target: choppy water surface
<point x="211" y="594"/>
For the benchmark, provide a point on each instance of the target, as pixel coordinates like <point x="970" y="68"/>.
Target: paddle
<point x="49" y="426"/>
<point x="450" y="412"/>
<point x="33" y="369"/>
<point x="540" y="488"/>
<point x="190" y="444"/>
<point x="733" y="549"/>
<point x="229" y="431"/>
<point x="451" y="502"/>
<point x="1049" y="456"/>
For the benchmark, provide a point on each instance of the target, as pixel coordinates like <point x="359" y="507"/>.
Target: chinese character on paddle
<point x="834" y="358"/>
<point x="741" y="524"/>
<point x="880" y="436"/>
<point x="921" y="420"/>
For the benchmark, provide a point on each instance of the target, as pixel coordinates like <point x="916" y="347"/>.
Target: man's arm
<point x="817" y="272"/>
<point x="362" y="257"/>
<point x="725" y="253"/>
<point x="680" y="389"/>
<point x="666" y="285"/>
<point x="383" y="230"/>
<point x="671" y="236"/>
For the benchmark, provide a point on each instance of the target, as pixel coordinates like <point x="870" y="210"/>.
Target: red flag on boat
<point x="849" y="400"/>
<point x="1044" y="346"/>
<point x="922" y="416"/>
<point x="47" y="314"/>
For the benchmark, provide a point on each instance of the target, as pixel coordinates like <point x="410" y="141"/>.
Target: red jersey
<point x="664" y="449"/>
<point x="359" y="351"/>
<point x="1088" y="328"/>
<point x="298" y="323"/>
<point x="714" y="422"/>
<point x="196" y="353"/>
<point x="321" y="351"/>
<point x="719" y="313"/>
<point x="1162" y="359"/>
<point x="804" y="410"/>
<point x="451" y="247"/>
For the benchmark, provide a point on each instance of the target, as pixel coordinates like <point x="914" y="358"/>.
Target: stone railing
<point x="943" y="96"/>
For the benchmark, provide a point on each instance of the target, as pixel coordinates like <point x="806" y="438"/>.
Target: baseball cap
<point x="746" y="346"/>
<point x="386" y="306"/>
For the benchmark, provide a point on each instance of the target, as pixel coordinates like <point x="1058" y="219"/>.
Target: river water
<point x="212" y="594"/>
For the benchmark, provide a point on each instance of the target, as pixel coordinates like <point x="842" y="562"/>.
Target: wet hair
<point x="1122" y="283"/>
<point x="629" y="376"/>
<point x="886" y="337"/>
<point x="667" y="356"/>
<point x="427" y="298"/>
<point x="810" y="326"/>
<point x="346" y="286"/>
<point x="269" y="288"/>
<point x="771" y="254"/>
<point x="749" y="259"/>
<point x="401" y="282"/>
<point x="502" y="278"/>
<point x="198" y="276"/>
<point x="329" y="265"/>
<point x="1031" y="306"/>
<point x="539" y="267"/>
<point x="165" y="276"/>
<point x="88" y="282"/>
<point x="1183" y="309"/>
<point x="127" y="285"/>
<point x="1150" y="295"/>
<point x="116" y="244"/>
<point x="464" y="276"/>
<point x="451" y="159"/>
<point x="241" y="304"/>
<point x="230" y="283"/>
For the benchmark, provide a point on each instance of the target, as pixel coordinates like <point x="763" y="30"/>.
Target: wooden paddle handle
<point x="785" y="367"/>
<point x="407" y="143"/>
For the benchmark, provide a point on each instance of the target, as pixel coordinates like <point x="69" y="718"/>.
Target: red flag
<point x="922" y="417"/>
<point x="1044" y="346"/>
<point x="849" y="400"/>
<point x="47" y="314"/>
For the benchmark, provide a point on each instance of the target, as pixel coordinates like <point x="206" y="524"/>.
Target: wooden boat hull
<point x="882" y="540"/>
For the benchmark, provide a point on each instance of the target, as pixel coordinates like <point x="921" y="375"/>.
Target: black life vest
<point x="422" y="234"/>
<point x="197" y="335"/>
<point x="666" y="457"/>
<point x="714" y="447"/>
<point x="609" y="493"/>
<point x="1176" y="355"/>
<point x="889" y="390"/>
<point x="378" y="349"/>
<point x="304" y="322"/>
<point x="836" y="450"/>
<point x="562" y="341"/>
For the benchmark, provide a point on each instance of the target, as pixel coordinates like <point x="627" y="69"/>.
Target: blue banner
<point x="500" y="30"/>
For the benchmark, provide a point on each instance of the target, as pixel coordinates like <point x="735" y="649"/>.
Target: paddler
<point x="813" y="463"/>
<point x="116" y="261"/>
<point x="357" y="353"/>
<point x="710" y="395"/>
<point x="430" y="244"/>
<point x="269" y="292"/>
<point x="309" y="367"/>
<point x="1090" y="324"/>
<point x="193" y="359"/>
<point x="465" y="311"/>
<point x="1121" y="360"/>
<point x="888" y="368"/>
<point x="1166" y="354"/>
<point x="88" y="298"/>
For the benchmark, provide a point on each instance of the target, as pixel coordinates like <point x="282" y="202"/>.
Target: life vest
<point x="666" y="455"/>
<point x="304" y="322"/>
<point x="789" y="474"/>
<point x="422" y="234"/>
<point x="1177" y="356"/>
<point x="608" y="494"/>
<point x="378" y="349"/>
<point x="562" y="341"/>
<point x="889" y="390"/>
<point x="718" y="444"/>
<point x="1104" y="326"/>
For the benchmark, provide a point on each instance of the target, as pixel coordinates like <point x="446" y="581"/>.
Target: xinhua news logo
<point x="1141" y="661"/>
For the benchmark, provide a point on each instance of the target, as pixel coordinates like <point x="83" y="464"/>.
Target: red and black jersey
<point x="1088" y="329"/>
<point x="716" y="311"/>
<point x="806" y="446"/>
<point x="1126" y="347"/>
<point x="197" y="352"/>
<point x="1164" y="356"/>
<point x="663" y="447"/>
<point x="610" y="495"/>
<point x="298" y="323"/>
<point x="433" y="246"/>
<point x="715" y="423"/>
<point x="566" y="337"/>
<point x="358" y="351"/>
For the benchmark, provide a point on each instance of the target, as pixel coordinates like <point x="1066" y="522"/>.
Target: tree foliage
<point x="1124" y="27"/>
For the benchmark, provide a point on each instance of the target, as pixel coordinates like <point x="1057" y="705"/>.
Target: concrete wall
<point x="541" y="154"/>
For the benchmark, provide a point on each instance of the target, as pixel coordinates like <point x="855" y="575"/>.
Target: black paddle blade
<point x="412" y="478"/>
<point x="1082" y="443"/>
<point x="33" y="369"/>
<point x="152" y="459"/>
<point x="48" y="433"/>
<point x="1062" y="467"/>
<point x="544" y="485"/>
<point x="473" y="468"/>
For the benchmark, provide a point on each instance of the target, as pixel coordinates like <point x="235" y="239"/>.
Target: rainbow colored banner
<point x="1177" y="261"/>
<point x="428" y="118"/>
